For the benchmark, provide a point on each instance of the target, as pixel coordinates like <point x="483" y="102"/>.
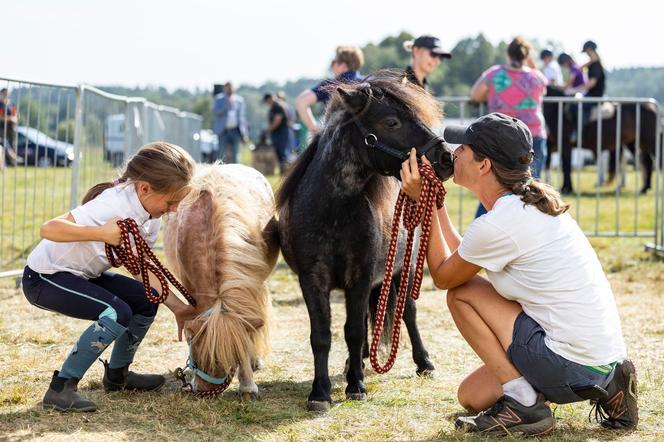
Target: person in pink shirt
<point x="517" y="90"/>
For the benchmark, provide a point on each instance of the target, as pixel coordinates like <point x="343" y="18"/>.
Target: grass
<point x="401" y="406"/>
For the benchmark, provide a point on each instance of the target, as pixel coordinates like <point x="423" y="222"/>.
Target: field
<point x="401" y="406"/>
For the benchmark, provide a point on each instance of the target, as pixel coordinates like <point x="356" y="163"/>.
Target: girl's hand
<point x="183" y="314"/>
<point x="410" y="175"/>
<point x="110" y="232"/>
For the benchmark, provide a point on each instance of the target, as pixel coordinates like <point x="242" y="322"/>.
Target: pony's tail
<point x="388" y="323"/>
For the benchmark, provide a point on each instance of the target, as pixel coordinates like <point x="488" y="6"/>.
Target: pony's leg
<point x="355" y="332"/>
<point x="248" y="388"/>
<point x="420" y="354"/>
<point x="647" y="161"/>
<point x="317" y="299"/>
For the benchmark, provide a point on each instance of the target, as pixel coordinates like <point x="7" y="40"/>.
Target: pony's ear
<point x="353" y="98"/>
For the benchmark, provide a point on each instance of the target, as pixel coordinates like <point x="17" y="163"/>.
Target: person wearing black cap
<point x="544" y="322"/>
<point x="426" y="52"/>
<point x="595" y="85"/>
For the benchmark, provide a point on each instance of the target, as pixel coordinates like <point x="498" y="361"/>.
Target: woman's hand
<point x="110" y="232"/>
<point x="410" y="175"/>
<point x="183" y="314"/>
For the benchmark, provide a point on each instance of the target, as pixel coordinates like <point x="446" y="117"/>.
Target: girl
<point x="67" y="272"/>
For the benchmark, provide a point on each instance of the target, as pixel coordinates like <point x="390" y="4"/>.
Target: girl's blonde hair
<point x="166" y="167"/>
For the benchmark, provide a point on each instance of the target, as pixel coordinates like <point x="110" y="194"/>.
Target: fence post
<point x="78" y="140"/>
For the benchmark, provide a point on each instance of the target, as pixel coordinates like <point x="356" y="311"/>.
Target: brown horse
<point x="647" y="134"/>
<point x="628" y="135"/>
<point x="220" y="245"/>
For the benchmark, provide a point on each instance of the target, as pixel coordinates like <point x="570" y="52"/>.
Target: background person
<point x="545" y="322"/>
<point x="345" y="67"/>
<point x="278" y="129"/>
<point x="426" y="54"/>
<point x="551" y="69"/>
<point x="230" y="123"/>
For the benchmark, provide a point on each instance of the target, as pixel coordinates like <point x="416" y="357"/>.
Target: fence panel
<point x="58" y="141"/>
<point x="610" y="133"/>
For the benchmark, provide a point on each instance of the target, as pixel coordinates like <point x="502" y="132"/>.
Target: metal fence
<point x="63" y="140"/>
<point x="628" y="135"/>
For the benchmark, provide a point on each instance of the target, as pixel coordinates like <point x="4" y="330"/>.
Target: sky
<point x="195" y="43"/>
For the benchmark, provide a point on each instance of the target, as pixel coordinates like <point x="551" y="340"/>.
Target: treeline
<point x="470" y="57"/>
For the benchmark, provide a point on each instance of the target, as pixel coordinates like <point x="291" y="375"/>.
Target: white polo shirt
<point x="88" y="258"/>
<point x="546" y="264"/>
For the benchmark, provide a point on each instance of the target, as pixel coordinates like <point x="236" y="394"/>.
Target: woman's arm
<point x="447" y="268"/>
<point x="303" y="104"/>
<point x="479" y="91"/>
<point x="64" y="229"/>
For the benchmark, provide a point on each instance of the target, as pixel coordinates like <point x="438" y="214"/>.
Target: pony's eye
<point x="392" y="123"/>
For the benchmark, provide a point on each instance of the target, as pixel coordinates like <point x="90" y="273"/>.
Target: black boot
<point x="116" y="379"/>
<point x="62" y="396"/>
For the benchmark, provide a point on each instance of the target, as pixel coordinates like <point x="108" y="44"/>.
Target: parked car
<point x="38" y="149"/>
<point x="114" y="139"/>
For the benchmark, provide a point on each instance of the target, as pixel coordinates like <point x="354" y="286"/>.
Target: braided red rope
<point x="143" y="262"/>
<point x="433" y="192"/>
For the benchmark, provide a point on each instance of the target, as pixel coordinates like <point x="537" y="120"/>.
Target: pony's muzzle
<point x="442" y="160"/>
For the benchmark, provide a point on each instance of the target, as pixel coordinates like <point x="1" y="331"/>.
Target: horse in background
<point x="335" y="212"/>
<point x="628" y="135"/>
<point x="222" y="245"/>
<point x="647" y="134"/>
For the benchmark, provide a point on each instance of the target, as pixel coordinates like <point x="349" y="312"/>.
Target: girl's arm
<point x="64" y="229"/>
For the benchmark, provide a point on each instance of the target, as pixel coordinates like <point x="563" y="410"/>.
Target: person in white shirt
<point x="545" y="323"/>
<point x="551" y="69"/>
<point x="67" y="272"/>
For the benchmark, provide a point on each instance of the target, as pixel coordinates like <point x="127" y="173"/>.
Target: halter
<point x="374" y="144"/>
<point x="222" y="382"/>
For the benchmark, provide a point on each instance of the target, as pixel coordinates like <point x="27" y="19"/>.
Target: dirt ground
<point x="401" y="406"/>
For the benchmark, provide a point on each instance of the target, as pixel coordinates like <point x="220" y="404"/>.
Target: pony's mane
<point x="393" y="83"/>
<point x="236" y="330"/>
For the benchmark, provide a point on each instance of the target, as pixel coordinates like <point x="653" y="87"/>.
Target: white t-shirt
<point x="546" y="264"/>
<point x="553" y="73"/>
<point x="87" y="259"/>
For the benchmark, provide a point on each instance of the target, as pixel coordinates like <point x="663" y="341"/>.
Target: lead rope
<point x="433" y="192"/>
<point x="143" y="262"/>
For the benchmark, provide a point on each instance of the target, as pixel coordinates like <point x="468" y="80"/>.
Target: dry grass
<point x="401" y="406"/>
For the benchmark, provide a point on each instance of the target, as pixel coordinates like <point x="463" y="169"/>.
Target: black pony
<point x="335" y="213"/>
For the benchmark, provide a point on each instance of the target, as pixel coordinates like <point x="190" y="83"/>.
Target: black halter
<point x="376" y="146"/>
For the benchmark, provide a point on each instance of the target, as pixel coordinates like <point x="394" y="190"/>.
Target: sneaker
<point x="620" y="409"/>
<point x="509" y="417"/>
<point x="62" y="395"/>
<point x="118" y="379"/>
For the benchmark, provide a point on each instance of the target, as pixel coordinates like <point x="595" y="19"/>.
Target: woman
<point x="576" y="79"/>
<point x="545" y="323"/>
<point x="517" y="89"/>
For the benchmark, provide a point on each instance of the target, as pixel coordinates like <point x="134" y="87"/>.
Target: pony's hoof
<point x="318" y="406"/>
<point x="427" y="373"/>
<point x="250" y="396"/>
<point x="356" y="396"/>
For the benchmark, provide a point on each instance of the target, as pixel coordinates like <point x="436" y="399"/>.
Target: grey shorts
<point x="549" y="373"/>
